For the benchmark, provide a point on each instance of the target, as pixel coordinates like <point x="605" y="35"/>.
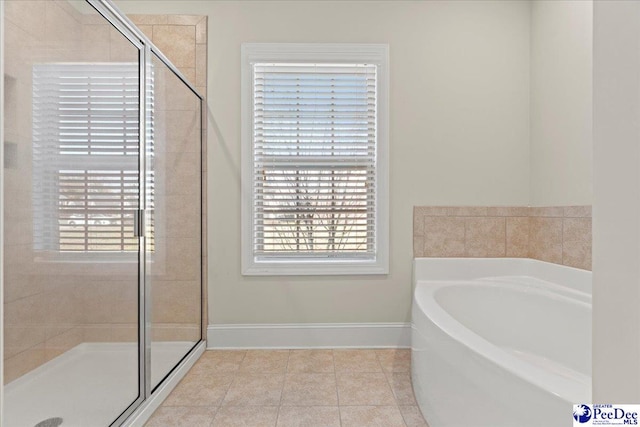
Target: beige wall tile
<point x="175" y="332"/>
<point x="485" y="237"/>
<point x="177" y="42"/>
<point x="96" y="41"/>
<point x="547" y="211"/>
<point x="30" y="16"/>
<point x="24" y="362"/>
<point x="184" y="19"/>
<point x="201" y="31"/>
<point x="124" y="294"/>
<point x="201" y="65"/>
<point x="189" y="73"/>
<point x="467" y="211"/>
<point x="183" y="133"/>
<point x="418" y="222"/>
<point x="147" y="30"/>
<point x="517" y="239"/>
<point x="62" y="30"/>
<point x="535" y="232"/>
<point x="577" y="211"/>
<point x="18" y="338"/>
<point x="418" y="246"/>
<point x="63" y="342"/>
<point x="148" y="19"/>
<point x="18" y="283"/>
<point x="576" y="245"/>
<point x="507" y="211"/>
<point x="98" y="333"/>
<point x="444" y="237"/>
<point x="174" y="301"/>
<point x="431" y="210"/>
<point x="121" y="49"/>
<point x="545" y="239"/>
<point x="125" y="333"/>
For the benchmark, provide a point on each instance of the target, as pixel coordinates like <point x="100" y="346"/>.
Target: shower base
<point x="87" y="386"/>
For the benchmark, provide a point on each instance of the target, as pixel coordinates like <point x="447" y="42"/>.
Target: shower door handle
<point x="138" y="223"/>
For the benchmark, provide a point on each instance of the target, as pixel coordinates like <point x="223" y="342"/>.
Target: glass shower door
<point x="71" y="292"/>
<point x="173" y="219"/>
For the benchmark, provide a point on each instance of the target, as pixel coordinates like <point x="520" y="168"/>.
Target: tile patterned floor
<point x="294" y="388"/>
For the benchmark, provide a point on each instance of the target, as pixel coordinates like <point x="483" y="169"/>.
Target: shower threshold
<point x="87" y="386"/>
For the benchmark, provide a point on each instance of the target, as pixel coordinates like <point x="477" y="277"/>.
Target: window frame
<point x="377" y="54"/>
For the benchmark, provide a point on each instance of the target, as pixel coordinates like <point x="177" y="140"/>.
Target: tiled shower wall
<point x="50" y="307"/>
<point x="561" y="235"/>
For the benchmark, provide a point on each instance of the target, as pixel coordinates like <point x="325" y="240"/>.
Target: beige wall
<point x="561" y="104"/>
<point x="459" y="134"/>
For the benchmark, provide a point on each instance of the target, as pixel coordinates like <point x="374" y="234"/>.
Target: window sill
<point x="296" y="267"/>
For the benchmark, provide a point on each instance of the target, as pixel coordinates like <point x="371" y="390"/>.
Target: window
<point x="85" y="157"/>
<point x="314" y="147"/>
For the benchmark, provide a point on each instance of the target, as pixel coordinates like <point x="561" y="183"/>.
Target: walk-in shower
<point x="102" y="183"/>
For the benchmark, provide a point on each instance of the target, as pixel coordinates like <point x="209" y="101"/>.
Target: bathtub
<point x="500" y="342"/>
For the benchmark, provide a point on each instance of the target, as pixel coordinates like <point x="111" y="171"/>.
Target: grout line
<point x="335" y="375"/>
<point x="284" y="383"/>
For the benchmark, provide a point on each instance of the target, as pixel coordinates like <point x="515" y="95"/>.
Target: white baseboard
<point x="309" y="335"/>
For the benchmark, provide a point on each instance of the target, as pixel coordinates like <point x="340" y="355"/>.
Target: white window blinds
<point x="314" y="160"/>
<point x="85" y="156"/>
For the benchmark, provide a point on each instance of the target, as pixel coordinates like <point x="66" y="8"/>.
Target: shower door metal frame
<point x="146" y="48"/>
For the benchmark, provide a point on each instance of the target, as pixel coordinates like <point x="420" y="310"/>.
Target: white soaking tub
<point x="500" y="342"/>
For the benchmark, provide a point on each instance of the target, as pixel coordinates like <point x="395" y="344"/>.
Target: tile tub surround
<point x="558" y="234"/>
<point x="281" y="388"/>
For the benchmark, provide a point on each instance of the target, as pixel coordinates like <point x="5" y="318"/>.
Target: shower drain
<point x="50" y="422"/>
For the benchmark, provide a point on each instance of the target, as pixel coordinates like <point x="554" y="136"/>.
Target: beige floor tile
<point x="311" y="361"/>
<point x="402" y="388"/>
<point x="412" y="416"/>
<point x="265" y="361"/>
<point x="356" y="361"/>
<point x="255" y="390"/>
<point x="215" y="361"/>
<point x="310" y="389"/>
<point x="395" y="360"/>
<point x="364" y="389"/>
<point x="309" y="416"/>
<point x="200" y="390"/>
<point x="246" y="416"/>
<point x="176" y="416"/>
<point x="371" y="416"/>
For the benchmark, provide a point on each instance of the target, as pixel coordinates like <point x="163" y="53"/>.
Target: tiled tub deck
<point x="285" y="388"/>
